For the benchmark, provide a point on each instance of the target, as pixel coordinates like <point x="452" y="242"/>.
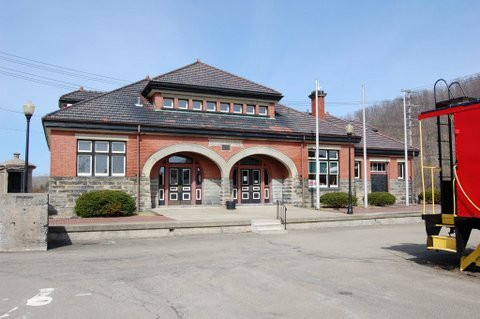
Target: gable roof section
<point x="79" y="95"/>
<point x="202" y="76"/>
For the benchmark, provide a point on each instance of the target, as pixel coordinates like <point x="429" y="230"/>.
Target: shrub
<point x="381" y="199"/>
<point x="104" y="203"/>
<point x="428" y="196"/>
<point x="337" y="200"/>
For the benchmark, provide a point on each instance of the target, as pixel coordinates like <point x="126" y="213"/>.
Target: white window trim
<point x="112" y="138"/>
<point x="198" y="194"/>
<point x="214" y="109"/>
<point x="267" y="193"/>
<point x="170" y="106"/>
<point x="108" y="166"/>
<point x="181" y="107"/>
<point x="161" y="194"/>
<point x="235" y="193"/>
<point x="173" y="194"/>
<point x="360" y="169"/>
<point x="256" y="195"/>
<point x="119" y="152"/>
<point x="222" y="111"/>
<point x="84" y="151"/>
<point x="90" y="169"/>
<point x="241" y="108"/>
<point x="247" y="195"/>
<point x="251" y="113"/>
<point x="403" y="170"/>
<point x="104" y="152"/>
<point x="124" y="164"/>
<point x="196" y="109"/>
<point x="260" y="110"/>
<point x="189" y="176"/>
<point x="186" y="194"/>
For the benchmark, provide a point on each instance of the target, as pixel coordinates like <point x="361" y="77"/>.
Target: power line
<point x="46" y="78"/>
<point x="57" y="85"/>
<point x="61" y="69"/>
<point x="18" y="130"/>
<point x="9" y="110"/>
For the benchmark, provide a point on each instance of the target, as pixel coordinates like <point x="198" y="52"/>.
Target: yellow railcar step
<point x="445" y="243"/>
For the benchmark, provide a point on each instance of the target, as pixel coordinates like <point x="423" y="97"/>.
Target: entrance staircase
<point x="268" y="226"/>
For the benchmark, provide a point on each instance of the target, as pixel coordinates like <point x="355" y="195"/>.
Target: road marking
<point x="8" y="313"/>
<point x="41" y="299"/>
<point x="83" y="295"/>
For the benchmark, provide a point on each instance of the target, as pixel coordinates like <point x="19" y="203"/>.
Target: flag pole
<point x="317" y="162"/>
<point x="365" y="184"/>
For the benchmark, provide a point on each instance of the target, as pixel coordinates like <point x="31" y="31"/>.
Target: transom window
<point x="237" y="108"/>
<point x="225" y="107"/>
<point x="262" y="110"/>
<point x="211" y="106"/>
<point x="328" y="168"/>
<point x="100" y="158"/>
<point x="167" y="103"/>
<point x="183" y="104"/>
<point x="250" y="109"/>
<point x="177" y="159"/>
<point x="197" y="105"/>
<point x="378" y="166"/>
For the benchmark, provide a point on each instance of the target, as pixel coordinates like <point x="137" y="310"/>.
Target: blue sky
<point x="286" y="45"/>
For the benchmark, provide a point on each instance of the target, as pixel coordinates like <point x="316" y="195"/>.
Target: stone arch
<point x="184" y="147"/>
<point x="263" y="150"/>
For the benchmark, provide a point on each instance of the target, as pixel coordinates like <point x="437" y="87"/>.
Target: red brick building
<point x="201" y="136"/>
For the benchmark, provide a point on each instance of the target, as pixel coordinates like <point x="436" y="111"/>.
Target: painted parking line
<point x="42" y="298"/>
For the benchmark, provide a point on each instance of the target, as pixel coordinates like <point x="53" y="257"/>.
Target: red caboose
<point x="459" y="172"/>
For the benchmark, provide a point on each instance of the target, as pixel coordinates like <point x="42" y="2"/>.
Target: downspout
<point x="303" y="173"/>
<point x="138" y="168"/>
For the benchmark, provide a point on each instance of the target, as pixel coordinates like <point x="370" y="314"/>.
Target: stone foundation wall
<point x="63" y="191"/>
<point x="23" y="222"/>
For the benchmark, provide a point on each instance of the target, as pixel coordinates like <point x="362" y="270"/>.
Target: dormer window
<point x="250" y="109"/>
<point x="168" y="103"/>
<point x="183" y="104"/>
<point x="211" y="106"/>
<point x="225" y="107"/>
<point x="197" y="105"/>
<point x="237" y="108"/>
<point x="262" y="110"/>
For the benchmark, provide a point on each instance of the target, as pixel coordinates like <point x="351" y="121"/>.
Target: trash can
<point x="230" y="204"/>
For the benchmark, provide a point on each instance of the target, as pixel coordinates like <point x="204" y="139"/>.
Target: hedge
<point x="381" y="199"/>
<point x="104" y="203"/>
<point x="428" y="196"/>
<point x="336" y="200"/>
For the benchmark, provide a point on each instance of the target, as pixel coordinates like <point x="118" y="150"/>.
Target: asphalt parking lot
<point x="357" y="272"/>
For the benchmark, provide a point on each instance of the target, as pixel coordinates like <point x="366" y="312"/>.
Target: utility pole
<point x="407" y="191"/>
<point x="365" y="185"/>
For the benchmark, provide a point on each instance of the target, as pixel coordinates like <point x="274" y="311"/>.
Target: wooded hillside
<point x="387" y="117"/>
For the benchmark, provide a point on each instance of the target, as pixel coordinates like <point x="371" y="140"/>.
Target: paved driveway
<point x="357" y="272"/>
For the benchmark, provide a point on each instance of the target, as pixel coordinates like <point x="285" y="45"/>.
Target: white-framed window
<point x="224" y="107"/>
<point x="186" y="196"/>
<point x="173" y="196"/>
<point x="161" y="194"/>
<point x="197" y="105"/>
<point x="256" y="195"/>
<point x="101" y="158"/>
<point x="357" y="170"/>
<point x="183" y="104"/>
<point x="245" y="195"/>
<point x="167" y="103"/>
<point x="250" y="109"/>
<point x="262" y="110"/>
<point x="328" y="164"/>
<point x="401" y="170"/>
<point x="198" y="194"/>
<point x="237" y="108"/>
<point x="211" y="106"/>
<point x="267" y="193"/>
<point x="378" y="166"/>
<point x="235" y="193"/>
<point x="173" y="176"/>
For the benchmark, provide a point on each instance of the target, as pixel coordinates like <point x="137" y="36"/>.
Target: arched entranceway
<point x="257" y="179"/>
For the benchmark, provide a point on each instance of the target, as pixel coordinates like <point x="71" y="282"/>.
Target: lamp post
<point x="28" y="109"/>
<point x="349" y="131"/>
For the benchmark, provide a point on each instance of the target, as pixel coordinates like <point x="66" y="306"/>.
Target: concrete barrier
<point x="23" y="222"/>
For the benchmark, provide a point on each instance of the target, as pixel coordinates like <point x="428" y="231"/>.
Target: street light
<point x="349" y="131"/>
<point x="28" y="110"/>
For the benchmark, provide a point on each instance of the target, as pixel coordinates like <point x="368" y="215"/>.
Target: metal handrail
<point x="282" y="213"/>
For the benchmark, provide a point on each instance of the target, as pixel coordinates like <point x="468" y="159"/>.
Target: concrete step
<point x="267" y="226"/>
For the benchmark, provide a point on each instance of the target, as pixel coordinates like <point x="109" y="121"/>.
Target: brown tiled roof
<point x="79" y="95"/>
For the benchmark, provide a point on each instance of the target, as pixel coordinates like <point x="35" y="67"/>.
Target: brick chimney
<point x="321" y="104"/>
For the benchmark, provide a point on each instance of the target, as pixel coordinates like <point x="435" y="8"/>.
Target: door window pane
<point x="101" y="147"/>
<point x="256" y="177"/>
<point x="161" y="176"/>
<point x="199" y="177"/>
<point x="84" y="146"/>
<point x="266" y="178"/>
<point x="173" y="176"/>
<point x="234" y="177"/>
<point x="245" y="177"/>
<point x="101" y="165"/>
<point x="118" y="165"/>
<point x="84" y="165"/>
<point x="186" y="177"/>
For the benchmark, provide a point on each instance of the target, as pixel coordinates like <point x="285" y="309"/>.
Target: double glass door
<point x="180" y="186"/>
<point x="250" y="187"/>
